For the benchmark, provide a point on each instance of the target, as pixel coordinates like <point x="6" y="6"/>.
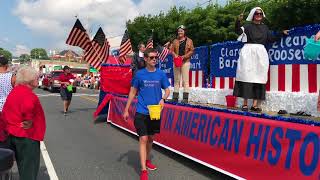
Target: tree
<point x="39" y="53"/>
<point x="290" y="13"/>
<point x="215" y="23"/>
<point x="24" y="58"/>
<point x="7" y="54"/>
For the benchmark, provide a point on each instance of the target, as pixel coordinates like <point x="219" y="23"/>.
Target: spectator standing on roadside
<point x="25" y="123"/>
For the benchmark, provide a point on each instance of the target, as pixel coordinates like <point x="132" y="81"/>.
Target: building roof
<point x="64" y="52"/>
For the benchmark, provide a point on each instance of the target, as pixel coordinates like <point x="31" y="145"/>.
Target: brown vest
<point x="189" y="48"/>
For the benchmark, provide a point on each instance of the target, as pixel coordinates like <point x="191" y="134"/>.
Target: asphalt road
<point x="83" y="150"/>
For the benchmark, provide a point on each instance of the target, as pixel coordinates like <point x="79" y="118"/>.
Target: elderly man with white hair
<point x="25" y="123"/>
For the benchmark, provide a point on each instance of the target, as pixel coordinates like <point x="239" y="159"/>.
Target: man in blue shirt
<point x="148" y="82"/>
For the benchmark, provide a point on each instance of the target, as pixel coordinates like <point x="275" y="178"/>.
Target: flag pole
<point x="91" y="37"/>
<point x="152" y="37"/>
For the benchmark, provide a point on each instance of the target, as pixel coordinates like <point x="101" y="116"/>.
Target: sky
<point x="28" y="24"/>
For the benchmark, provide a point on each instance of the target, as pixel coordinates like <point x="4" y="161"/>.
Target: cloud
<point x="21" y="49"/>
<point x="156" y="6"/>
<point x="4" y="40"/>
<point x="54" y="19"/>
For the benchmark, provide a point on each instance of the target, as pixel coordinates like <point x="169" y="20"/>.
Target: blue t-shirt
<point x="149" y="85"/>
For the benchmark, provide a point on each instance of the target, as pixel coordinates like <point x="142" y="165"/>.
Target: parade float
<point x="243" y="145"/>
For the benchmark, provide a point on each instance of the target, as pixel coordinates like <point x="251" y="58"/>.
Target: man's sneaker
<point x="144" y="175"/>
<point x="150" y="166"/>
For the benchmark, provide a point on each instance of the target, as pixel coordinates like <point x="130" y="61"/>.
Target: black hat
<point x="3" y="60"/>
<point x="66" y="67"/>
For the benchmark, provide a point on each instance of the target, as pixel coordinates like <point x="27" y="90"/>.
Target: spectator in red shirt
<point x="25" y="123"/>
<point x="66" y="79"/>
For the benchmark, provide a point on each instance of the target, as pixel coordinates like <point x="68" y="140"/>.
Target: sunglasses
<point x="259" y="13"/>
<point x="153" y="57"/>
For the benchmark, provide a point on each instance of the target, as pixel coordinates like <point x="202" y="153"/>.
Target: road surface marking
<point x="74" y="95"/>
<point x="89" y="99"/>
<point x="52" y="173"/>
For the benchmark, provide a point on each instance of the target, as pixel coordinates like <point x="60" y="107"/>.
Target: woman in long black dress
<point x="253" y="63"/>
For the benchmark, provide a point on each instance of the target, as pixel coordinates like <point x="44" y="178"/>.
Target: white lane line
<point x="47" y="95"/>
<point x="74" y="95"/>
<point x="52" y="173"/>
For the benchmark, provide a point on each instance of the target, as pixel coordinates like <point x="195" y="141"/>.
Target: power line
<point x="209" y="1"/>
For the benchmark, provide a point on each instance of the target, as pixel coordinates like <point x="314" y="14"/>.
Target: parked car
<point x="51" y="81"/>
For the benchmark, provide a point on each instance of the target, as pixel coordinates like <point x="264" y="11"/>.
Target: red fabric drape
<point x="116" y="79"/>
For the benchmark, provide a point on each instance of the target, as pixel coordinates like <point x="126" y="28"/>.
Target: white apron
<point x="253" y="64"/>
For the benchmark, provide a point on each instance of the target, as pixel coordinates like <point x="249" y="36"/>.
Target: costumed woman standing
<point x="182" y="47"/>
<point x="253" y="63"/>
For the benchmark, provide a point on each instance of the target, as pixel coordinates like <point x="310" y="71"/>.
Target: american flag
<point x="79" y="37"/>
<point x="150" y="43"/>
<point x="162" y="52"/>
<point x="104" y="58"/>
<point x="99" y="51"/>
<point x="125" y="47"/>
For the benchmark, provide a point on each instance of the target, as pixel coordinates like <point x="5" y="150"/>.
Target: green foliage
<point x="6" y="54"/>
<point x="290" y="13"/>
<point x="214" y="23"/>
<point x="163" y="26"/>
<point x="24" y="58"/>
<point x="39" y="53"/>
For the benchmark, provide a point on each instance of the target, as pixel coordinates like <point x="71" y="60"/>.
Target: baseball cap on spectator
<point x="66" y="67"/>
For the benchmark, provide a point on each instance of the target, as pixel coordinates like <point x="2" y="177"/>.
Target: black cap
<point x="66" y="67"/>
<point x="3" y="60"/>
